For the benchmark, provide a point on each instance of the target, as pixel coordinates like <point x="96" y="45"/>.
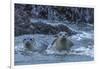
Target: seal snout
<point x="64" y="38"/>
<point x="28" y="44"/>
<point x="61" y="43"/>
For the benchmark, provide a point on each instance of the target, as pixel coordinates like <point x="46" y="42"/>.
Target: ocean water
<point x="83" y="49"/>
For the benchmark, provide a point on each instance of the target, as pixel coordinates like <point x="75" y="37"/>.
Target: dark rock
<point x="42" y="28"/>
<point x="24" y="12"/>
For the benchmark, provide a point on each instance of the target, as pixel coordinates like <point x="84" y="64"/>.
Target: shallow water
<point x="83" y="49"/>
<point x="42" y="59"/>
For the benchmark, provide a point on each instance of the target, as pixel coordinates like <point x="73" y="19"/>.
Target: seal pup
<point x="61" y="44"/>
<point x="29" y="45"/>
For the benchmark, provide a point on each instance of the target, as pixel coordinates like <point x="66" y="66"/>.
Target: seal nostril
<point x="27" y="44"/>
<point x="63" y="36"/>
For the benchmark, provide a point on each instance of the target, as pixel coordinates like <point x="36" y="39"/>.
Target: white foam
<point x="42" y="38"/>
<point x="57" y="52"/>
<point x="83" y="51"/>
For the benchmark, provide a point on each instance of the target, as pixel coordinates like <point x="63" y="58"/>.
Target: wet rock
<point x="42" y="28"/>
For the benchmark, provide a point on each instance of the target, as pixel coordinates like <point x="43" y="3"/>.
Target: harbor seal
<point x="29" y="44"/>
<point x="61" y="43"/>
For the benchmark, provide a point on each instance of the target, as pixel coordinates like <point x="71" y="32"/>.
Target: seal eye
<point x="31" y="39"/>
<point x="66" y="34"/>
<point x="24" y="40"/>
<point x="60" y="34"/>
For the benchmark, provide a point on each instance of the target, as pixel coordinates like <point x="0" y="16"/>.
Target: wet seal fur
<point x="29" y="45"/>
<point x="61" y="44"/>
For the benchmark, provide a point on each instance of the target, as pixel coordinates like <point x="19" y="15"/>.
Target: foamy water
<point x="79" y="52"/>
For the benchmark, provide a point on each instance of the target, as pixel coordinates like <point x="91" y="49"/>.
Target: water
<point x="83" y="49"/>
<point x="73" y="18"/>
<point x="42" y="59"/>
